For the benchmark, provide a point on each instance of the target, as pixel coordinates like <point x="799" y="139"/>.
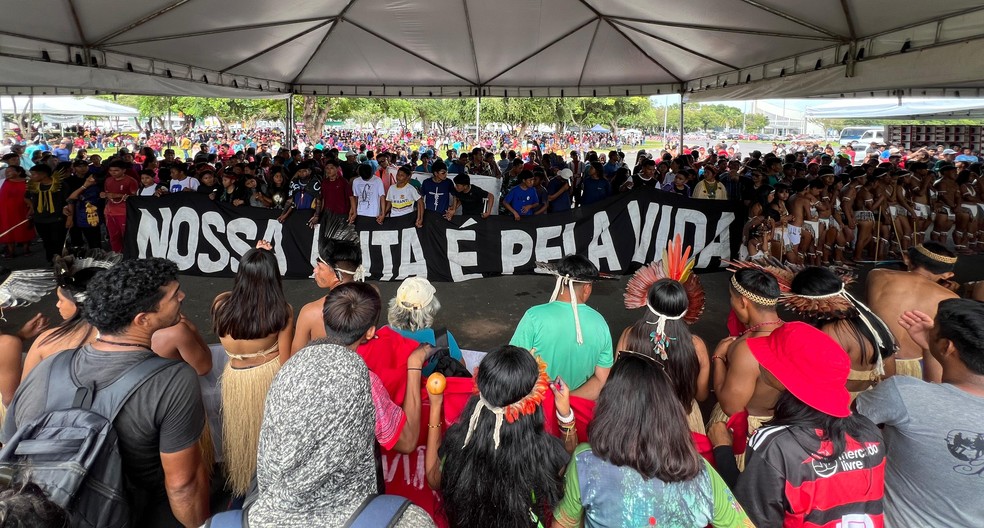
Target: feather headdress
<point x="676" y="265"/>
<point x="73" y="271"/>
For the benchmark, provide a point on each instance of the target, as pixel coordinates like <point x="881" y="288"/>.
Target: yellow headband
<point x="935" y="256"/>
<point x="757" y="299"/>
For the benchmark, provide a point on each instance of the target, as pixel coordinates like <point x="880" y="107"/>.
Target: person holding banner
<point x="523" y="200"/>
<point x="15" y="228"/>
<point x="472" y="199"/>
<point x="368" y="197"/>
<point x="436" y="190"/>
<point x="401" y="197"/>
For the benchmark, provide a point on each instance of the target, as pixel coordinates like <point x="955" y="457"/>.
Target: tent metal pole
<point x="680" y="146"/>
<point x="290" y="122"/>
<point x="478" y="122"/>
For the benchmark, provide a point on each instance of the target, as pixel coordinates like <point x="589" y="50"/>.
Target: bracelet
<point x="413" y="368"/>
<point x="566" y="419"/>
<point x="722" y="358"/>
<point x="438" y="426"/>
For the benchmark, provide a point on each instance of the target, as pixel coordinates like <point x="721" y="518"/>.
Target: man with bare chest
<point x="892" y="293"/>
<point x="753" y="295"/>
<point x="805" y="226"/>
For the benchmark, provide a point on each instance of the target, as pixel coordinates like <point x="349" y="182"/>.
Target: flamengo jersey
<point x="784" y="485"/>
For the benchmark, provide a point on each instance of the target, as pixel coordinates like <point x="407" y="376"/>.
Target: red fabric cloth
<point x="735" y="327"/>
<point x="13" y="210"/>
<point x="386" y="355"/>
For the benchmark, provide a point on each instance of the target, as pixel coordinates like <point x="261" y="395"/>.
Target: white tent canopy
<point x="707" y="49"/>
<point x="900" y="109"/>
<point x="65" y="106"/>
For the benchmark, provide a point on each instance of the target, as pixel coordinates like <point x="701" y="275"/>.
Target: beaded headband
<point x="757" y="299"/>
<point x="936" y="256"/>
<point x="526" y="405"/>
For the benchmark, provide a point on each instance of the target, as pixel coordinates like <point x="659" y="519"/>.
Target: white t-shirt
<point x="177" y="186"/>
<point x="367" y="193"/>
<point x="147" y="191"/>
<point x="402" y="200"/>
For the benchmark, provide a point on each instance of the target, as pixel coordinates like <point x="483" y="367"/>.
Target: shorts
<point x="830" y="223"/>
<point x="972" y="209"/>
<point x="898" y="211"/>
<point x="864" y="216"/>
<point x="922" y="210"/>
<point x="793" y="234"/>
<point x="812" y="227"/>
<point x="947" y="211"/>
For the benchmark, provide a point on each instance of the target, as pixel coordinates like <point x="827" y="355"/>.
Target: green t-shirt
<point x="549" y="328"/>
<point x="608" y="496"/>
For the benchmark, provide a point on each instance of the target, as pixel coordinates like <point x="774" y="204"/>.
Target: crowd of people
<point x="565" y="427"/>
<point x="569" y="424"/>
<point x="806" y="205"/>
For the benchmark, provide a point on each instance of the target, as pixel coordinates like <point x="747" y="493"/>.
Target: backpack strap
<point x="378" y="511"/>
<point x="65" y="391"/>
<point x="109" y="401"/>
<point x="227" y="519"/>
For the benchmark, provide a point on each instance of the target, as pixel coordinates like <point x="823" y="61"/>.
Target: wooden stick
<point x="26" y="220"/>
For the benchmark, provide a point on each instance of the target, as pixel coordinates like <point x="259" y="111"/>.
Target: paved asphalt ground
<point x="480" y="313"/>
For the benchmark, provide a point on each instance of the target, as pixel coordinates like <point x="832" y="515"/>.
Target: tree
<point x="756" y="122"/>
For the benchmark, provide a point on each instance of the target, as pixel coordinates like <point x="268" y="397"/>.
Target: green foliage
<point x="522" y="113"/>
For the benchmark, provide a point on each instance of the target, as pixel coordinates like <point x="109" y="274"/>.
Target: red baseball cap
<point x="811" y="365"/>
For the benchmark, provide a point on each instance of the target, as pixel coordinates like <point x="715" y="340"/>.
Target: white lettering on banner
<point x="315" y="248"/>
<point x="184" y="215"/>
<point x="275" y="235"/>
<point x="237" y="244"/>
<point x="213" y="220"/>
<point x="570" y="247"/>
<point x="412" y="261"/>
<point x="602" y="247"/>
<point x="364" y="238"/>
<point x="698" y="220"/>
<point x="720" y="246"/>
<point x="386" y="240"/>
<point x="458" y="259"/>
<point x="412" y="465"/>
<point x="152" y="235"/>
<point x="542" y="251"/>
<point x="643" y="230"/>
<point x="510" y="259"/>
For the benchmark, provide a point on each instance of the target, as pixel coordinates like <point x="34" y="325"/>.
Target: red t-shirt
<point x="125" y="185"/>
<point x="335" y="195"/>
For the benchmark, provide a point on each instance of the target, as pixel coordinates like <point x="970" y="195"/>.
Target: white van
<point x="863" y="136"/>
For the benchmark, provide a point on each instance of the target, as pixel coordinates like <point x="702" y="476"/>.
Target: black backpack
<point x="71" y="451"/>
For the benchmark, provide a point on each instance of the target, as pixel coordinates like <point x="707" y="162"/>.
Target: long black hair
<point x="484" y="486"/>
<point x="791" y="411"/>
<point x="639" y="423"/>
<point x="256" y="307"/>
<point x="821" y="281"/>
<point x="668" y="297"/>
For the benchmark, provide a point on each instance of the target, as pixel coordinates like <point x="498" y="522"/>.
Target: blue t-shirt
<point x="519" y="197"/>
<point x="562" y="202"/>
<point x="437" y="196"/>
<point x="595" y="190"/>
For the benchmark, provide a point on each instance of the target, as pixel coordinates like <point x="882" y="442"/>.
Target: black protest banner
<point x="618" y="234"/>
